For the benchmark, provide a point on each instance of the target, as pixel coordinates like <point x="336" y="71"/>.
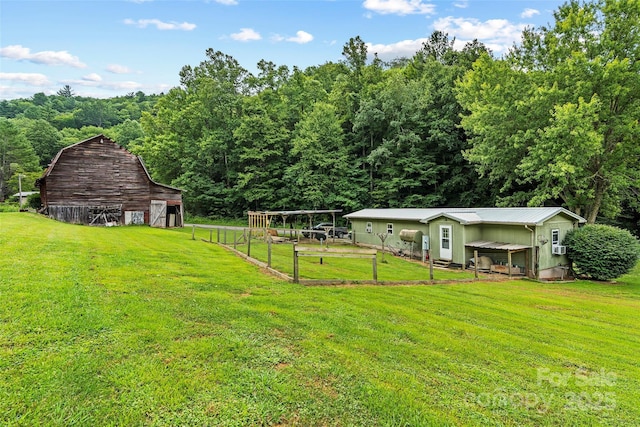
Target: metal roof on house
<point x="521" y="215"/>
<point x="486" y="244"/>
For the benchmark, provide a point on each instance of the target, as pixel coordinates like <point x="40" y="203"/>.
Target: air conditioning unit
<point x="558" y="250"/>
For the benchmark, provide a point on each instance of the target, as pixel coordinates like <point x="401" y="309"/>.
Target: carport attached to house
<point x="488" y="247"/>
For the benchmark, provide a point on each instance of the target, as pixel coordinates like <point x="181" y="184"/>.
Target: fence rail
<point x="303" y="251"/>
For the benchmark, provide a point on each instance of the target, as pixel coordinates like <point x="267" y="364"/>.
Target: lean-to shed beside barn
<point x="97" y="181"/>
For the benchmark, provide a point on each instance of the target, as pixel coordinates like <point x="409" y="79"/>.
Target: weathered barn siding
<point x="100" y="173"/>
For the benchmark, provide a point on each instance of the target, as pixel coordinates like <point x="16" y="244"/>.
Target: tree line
<point x="552" y="122"/>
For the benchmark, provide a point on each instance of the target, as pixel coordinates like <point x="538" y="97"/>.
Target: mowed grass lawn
<point x="139" y="326"/>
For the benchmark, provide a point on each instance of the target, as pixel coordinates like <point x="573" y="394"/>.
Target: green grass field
<point x="389" y="268"/>
<point x="139" y="326"/>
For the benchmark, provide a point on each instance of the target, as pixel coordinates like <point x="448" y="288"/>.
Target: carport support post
<point x="475" y="262"/>
<point x="509" y="262"/>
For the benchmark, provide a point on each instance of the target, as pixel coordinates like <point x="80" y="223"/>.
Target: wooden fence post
<point x="193" y="232"/>
<point x="430" y="265"/>
<point x="375" y="268"/>
<point x="235" y="240"/>
<point x="295" y="265"/>
<point x="269" y="254"/>
<point x="211" y="235"/>
<point x="218" y="234"/>
<point x="249" y="245"/>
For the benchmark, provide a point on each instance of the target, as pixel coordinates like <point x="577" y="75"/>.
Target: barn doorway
<point x="163" y="214"/>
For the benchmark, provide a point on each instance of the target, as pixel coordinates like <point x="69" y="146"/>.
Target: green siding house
<point x="525" y="241"/>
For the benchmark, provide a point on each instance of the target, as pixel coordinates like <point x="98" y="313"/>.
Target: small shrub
<point x="33" y="201"/>
<point x="602" y="252"/>
<point x="8" y="207"/>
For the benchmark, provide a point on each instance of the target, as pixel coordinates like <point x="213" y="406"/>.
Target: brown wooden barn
<point x="97" y="181"/>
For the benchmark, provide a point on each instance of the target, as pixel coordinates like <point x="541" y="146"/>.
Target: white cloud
<point x="246" y="34"/>
<point x="95" y="81"/>
<point x="399" y="7"/>
<point x="301" y="37"/>
<point x="93" y="77"/>
<point x="528" y="13"/>
<point x="461" y="4"/>
<point x="161" y="25"/>
<point x="46" y="57"/>
<point x="404" y="48"/>
<point x="32" y="79"/>
<point x="497" y="34"/>
<point x="227" y="2"/>
<point x="118" y="69"/>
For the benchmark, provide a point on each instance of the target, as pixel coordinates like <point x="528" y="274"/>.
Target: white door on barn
<point x="158" y="213"/>
<point x="445" y="243"/>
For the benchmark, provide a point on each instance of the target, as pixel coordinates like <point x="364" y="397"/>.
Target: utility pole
<point x="20" y="190"/>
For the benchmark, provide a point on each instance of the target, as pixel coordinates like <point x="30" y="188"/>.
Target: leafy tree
<point x="320" y="171"/>
<point x="263" y="145"/>
<point x="438" y="66"/>
<point x="189" y="138"/>
<point x="126" y="134"/>
<point x="602" y="252"/>
<point x="44" y="138"/>
<point x="16" y="155"/>
<point x="556" y="120"/>
<point x="96" y="112"/>
<point x="65" y="91"/>
<point x="71" y="136"/>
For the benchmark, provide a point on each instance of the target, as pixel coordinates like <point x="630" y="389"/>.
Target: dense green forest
<point x="552" y="122"/>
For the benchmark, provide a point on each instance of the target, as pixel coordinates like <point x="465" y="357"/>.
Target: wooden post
<point x="269" y="253"/>
<point x="235" y="239"/>
<point x="225" y="236"/>
<point x="193" y="232"/>
<point x="509" y="263"/>
<point x="295" y="266"/>
<point x="249" y="244"/>
<point x="475" y="262"/>
<point x="375" y="268"/>
<point x="211" y="235"/>
<point x="218" y="234"/>
<point x="430" y="265"/>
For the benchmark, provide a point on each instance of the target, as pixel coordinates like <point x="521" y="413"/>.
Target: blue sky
<point x="114" y="47"/>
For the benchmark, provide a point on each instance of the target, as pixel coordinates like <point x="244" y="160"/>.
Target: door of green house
<point x="445" y="242"/>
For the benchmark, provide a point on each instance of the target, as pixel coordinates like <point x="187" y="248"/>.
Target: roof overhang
<point x="501" y="246"/>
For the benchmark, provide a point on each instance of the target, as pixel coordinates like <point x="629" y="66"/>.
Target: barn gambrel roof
<point x="104" y="140"/>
